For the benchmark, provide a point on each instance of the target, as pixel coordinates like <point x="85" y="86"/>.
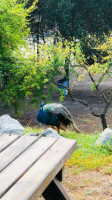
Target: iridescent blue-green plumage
<point x="55" y="114"/>
<point x="46" y="117"/>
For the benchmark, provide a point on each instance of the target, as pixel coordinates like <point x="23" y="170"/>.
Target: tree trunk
<point x="103" y="120"/>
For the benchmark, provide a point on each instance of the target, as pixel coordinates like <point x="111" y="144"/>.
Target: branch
<point x="78" y="100"/>
<point x="100" y="79"/>
<point x="106" y="108"/>
<point x="97" y="88"/>
<point x="110" y="94"/>
<point x="109" y="103"/>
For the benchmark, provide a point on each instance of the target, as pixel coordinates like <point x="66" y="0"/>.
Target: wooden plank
<point x="55" y="191"/>
<point x="15" y="149"/>
<point x="6" y="140"/>
<point x="16" y="169"/>
<point x="42" y="172"/>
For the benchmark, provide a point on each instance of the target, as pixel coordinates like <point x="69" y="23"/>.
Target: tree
<point x="100" y="68"/>
<point x="13" y="30"/>
<point x="22" y="74"/>
<point x="73" y="18"/>
<point x="19" y="75"/>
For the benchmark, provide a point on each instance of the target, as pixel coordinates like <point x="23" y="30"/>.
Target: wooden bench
<point x="32" y="165"/>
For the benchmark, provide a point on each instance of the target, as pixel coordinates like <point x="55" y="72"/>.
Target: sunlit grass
<point x="88" y="155"/>
<point x="32" y="130"/>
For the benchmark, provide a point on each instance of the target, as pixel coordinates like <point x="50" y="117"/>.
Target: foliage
<point x="97" y="62"/>
<point x="52" y="57"/>
<point x="13" y="31"/>
<point x="73" y="18"/>
<point x="20" y="76"/>
<point x="22" y="73"/>
<point x="51" y="60"/>
<point x="98" y="65"/>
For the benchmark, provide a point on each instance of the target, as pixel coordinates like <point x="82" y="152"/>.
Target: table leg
<point x="61" y="174"/>
<point x="55" y="191"/>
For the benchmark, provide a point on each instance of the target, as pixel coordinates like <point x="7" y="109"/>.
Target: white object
<point x="9" y="125"/>
<point x="105" y="138"/>
<point x="50" y="132"/>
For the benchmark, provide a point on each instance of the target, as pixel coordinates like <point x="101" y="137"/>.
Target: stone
<point x="9" y="125"/>
<point x="50" y="132"/>
<point x="105" y="138"/>
<point x="33" y="134"/>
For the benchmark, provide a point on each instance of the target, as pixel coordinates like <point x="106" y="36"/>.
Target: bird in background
<point x="56" y="115"/>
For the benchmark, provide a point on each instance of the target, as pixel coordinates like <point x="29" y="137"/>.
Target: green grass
<point x="88" y="155"/>
<point x="32" y="130"/>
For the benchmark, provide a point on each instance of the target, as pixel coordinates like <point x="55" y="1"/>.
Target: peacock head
<point x="41" y="106"/>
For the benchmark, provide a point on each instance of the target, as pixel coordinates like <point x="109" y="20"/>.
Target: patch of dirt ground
<point x="87" y="185"/>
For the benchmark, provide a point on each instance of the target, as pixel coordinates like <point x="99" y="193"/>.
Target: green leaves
<point x="13" y="59"/>
<point x="93" y="87"/>
<point x="74" y="18"/>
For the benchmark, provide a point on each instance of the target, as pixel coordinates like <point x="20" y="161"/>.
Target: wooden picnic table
<point x="32" y="165"/>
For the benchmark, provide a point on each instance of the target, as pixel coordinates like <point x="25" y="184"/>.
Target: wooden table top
<point x="29" y="163"/>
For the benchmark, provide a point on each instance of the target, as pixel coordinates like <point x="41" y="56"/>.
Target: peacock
<point x="56" y="115"/>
